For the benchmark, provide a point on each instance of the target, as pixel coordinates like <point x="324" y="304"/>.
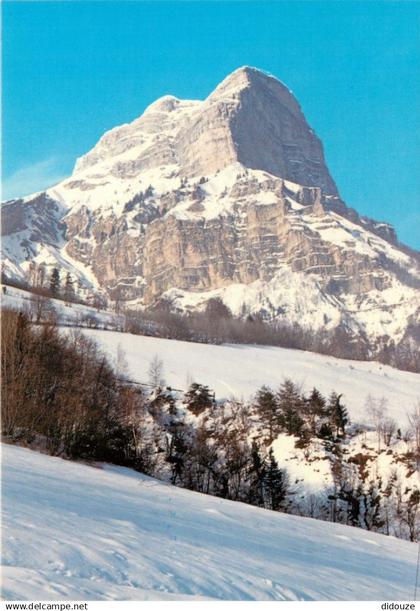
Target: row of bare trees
<point x="216" y="324"/>
<point x="59" y="391"/>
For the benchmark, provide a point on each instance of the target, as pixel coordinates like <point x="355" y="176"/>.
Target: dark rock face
<point x="271" y="133"/>
<point x="41" y="216"/>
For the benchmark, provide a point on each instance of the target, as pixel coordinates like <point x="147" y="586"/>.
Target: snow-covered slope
<point x="71" y="531"/>
<point x="72" y="314"/>
<point x="239" y="370"/>
<point x="236" y="369"/>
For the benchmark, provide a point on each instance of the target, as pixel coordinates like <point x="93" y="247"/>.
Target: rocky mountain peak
<point x="166" y="103"/>
<point x="250" y="118"/>
<point x="269" y="130"/>
<point x="261" y="82"/>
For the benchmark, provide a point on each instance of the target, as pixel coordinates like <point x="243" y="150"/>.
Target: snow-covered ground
<point x="72" y="531"/>
<point x="68" y="314"/>
<point x="310" y="469"/>
<point x="239" y="370"/>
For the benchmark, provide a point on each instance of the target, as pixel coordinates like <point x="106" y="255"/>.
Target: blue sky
<point x="72" y="70"/>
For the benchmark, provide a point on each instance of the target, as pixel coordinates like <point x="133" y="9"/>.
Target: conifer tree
<point x="198" y="398"/>
<point x="268" y="410"/>
<point x="256" y="477"/>
<point x="68" y="288"/>
<point x="290" y="406"/>
<point x="371" y="506"/>
<point x="55" y="282"/>
<point x="315" y="405"/>
<point x="338" y="414"/>
<point x="275" y="484"/>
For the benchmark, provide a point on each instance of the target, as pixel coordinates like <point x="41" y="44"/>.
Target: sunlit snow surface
<point x="239" y="370"/>
<point x="79" y="532"/>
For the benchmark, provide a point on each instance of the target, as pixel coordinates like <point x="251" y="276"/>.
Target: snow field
<point x="239" y="370"/>
<point x="72" y="531"/>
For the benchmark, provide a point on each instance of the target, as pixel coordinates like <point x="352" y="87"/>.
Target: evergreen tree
<point x="371" y="507"/>
<point x="69" y="288"/>
<point x="216" y="310"/>
<point x="338" y="415"/>
<point x="325" y="431"/>
<point x="315" y="410"/>
<point x="351" y="496"/>
<point x="256" y="477"/>
<point x="411" y="511"/>
<point x="268" y="410"/>
<point x="198" y="398"/>
<point x="275" y="484"/>
<point x="55" y="282"/>
<point x="291" y="406"/>
<point x="176" y="454"/>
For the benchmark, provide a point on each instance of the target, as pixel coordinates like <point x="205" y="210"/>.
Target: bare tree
<point x="41" y="308"/>
<point x="98" y="302"/>
<point x="156" y="372"/>
<point x="121" y="364"/>
<point x="32" y="273"/>
<point x="41" y="275"/>
<point x="377" y="411"/>
<point x="389" y="428"/>
<point x="414" y="428"/>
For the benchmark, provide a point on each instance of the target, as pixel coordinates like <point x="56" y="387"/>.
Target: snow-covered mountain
<point x="111" y="533"/>
<point x="228" y="197"/>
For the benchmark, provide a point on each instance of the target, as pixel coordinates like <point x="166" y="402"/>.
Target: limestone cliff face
<point x="249" y="244"/>
<point x="271" y="133"/>
<point x="258" y="226"/>
<point x="200" y="197"/>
